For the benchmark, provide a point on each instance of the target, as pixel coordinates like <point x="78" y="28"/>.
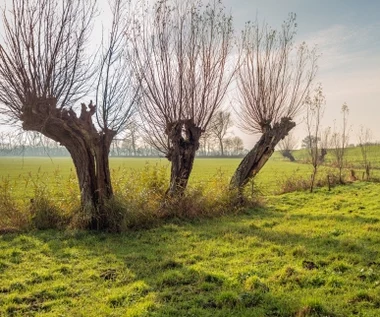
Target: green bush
<point x="139" y="201"/>
<point x="300" y="182"/>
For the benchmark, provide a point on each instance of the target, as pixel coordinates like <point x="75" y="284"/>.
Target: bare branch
<point x="220" y="123"/>
<point x="183" y="58"/>
<point x="44" y="54"/>
<point x="273" y="80"/>
<point x="183" y="54"/>
<point x="339" y="141"/>
<point x="314" y="114"/>
<point x="117" y="90"/>
<point x="274" y="76"/>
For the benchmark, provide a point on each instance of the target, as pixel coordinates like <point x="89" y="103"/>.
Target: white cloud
<point x="349" y="70"/>
<point x="346" y="45"/>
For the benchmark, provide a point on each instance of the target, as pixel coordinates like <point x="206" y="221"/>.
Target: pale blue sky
<point x="347" y="34"/>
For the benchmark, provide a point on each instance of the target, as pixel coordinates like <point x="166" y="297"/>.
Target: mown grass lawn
<point x="300" y="254"/>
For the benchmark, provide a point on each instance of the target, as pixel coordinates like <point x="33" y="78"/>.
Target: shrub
<point x="298" y="182"/>
<point x="12" y="216"/>
<point x="143" y="203"/>
<point x="140" y="200"/>
<point x="46" y="214"/>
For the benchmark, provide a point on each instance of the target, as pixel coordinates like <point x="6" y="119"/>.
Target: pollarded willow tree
<point x="287" y="145"/>
<point x="44" y="73"/>
<point x="273" y="80"/>
<point x="183" y="59"/>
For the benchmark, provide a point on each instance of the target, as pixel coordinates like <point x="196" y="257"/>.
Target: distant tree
<point x="339" y="141"/>
<point x="309" y="141"/>
<point x="287" y="146"/>
<point x="11" y="143"/>
<point x="45" y="72"/>
<point x="116" y="147"/>
<point x="228" y="146"/>
<point x="29" y="143"/>
<point x="314" y="114"/>
<point x="237" y="145"/>
<point x="219" y="125"/>
<point x="365" y="143"/>
<point x="131" y="138"/>
<point x="183" y="52"/>
<point x="273" y="79"/>
<point x="205" y="144"/>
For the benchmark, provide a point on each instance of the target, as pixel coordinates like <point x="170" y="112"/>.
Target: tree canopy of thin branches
<point x="220" y="123"/>
<point x="273" y="80"/>
<point x="45" y="71"/>
<point x="314" y="114"/>
<point x="339" y="142"/>
<point x="183" y="53"/>
<point x="366" y="145"/>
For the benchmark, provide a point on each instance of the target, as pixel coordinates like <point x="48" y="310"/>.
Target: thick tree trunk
<point x="104" y="189"/>
<point x="89" y="150"/>
<point x="261" y="152"/>
<point x="85" y="170"/>
<point x="184" y="138"/>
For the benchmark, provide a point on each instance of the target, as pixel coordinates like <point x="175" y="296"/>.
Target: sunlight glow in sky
<point x="347" y="34"/>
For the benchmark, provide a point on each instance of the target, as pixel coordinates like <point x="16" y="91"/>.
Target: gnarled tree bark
<point x="184" y="138"/>
<point x="88" y="147"/>
<point x="261" y="152"/>
<point x="44" y="69"/>
<point x="182" y="51"/>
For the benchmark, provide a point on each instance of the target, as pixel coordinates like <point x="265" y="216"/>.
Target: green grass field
<point x="296" y="254"/>
<point x="299" y="255"/>
<point x="22" y="172"/>
<point x="353" y="156"/>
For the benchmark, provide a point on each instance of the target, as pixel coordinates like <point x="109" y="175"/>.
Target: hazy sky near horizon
<point x="347" y="35"/>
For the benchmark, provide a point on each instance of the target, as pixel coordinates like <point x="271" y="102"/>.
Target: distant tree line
<point x="130" y="143"/>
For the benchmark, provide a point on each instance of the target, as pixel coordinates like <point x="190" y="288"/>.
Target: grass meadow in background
<point x="24" y="173"/>
<point x="353" y="156"/>
<point x="294" y="254"/>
